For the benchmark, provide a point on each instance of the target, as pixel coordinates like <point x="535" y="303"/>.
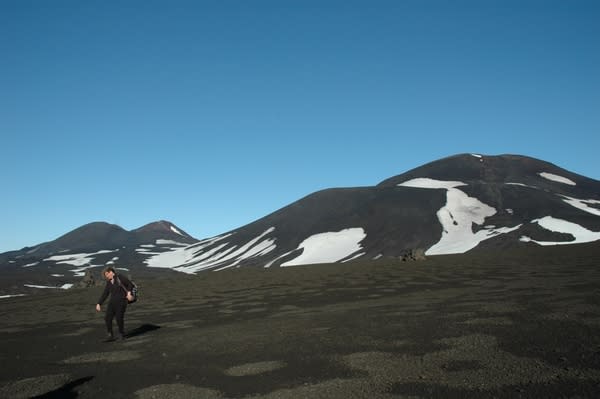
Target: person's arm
<point x="102" y="297"/>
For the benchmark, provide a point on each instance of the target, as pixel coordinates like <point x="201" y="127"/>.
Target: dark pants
<point x="115" y="309"/>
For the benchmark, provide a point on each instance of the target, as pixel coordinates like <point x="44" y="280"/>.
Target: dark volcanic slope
<point x="452" y="205"/>
<point x="519" y="323"/>
<point x="63" y="262"/>
<point x="389" y="228"/>
<point x="97" y="236"/>
<point x="91" y="236"/>
<point x="466" y="202"/>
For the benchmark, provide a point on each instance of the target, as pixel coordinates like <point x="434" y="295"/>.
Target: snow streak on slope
<point x="329" y="247"/>
<point x="62" y="287"/>
<point x="170" y="242"/>
<point x="213" y="253"/>
<point x="457" y="217"/>
<point x="580" y="234"/>
<point x="83" y="261"/>
<point x="521" y="184"/>
<point x="557" y="178"/>
<point x="173" y="229"/>
<point x="76" y="259"/>
<point x="10" y="296"/>
<point x="584" y="205"/>
<point x="425" y="182"/>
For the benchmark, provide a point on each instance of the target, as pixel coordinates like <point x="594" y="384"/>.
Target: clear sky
<point x="212" y="114"/>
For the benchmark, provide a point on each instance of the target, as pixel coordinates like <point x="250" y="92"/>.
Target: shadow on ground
<point x="141" y="330"/>
<point x="66" y="391"/>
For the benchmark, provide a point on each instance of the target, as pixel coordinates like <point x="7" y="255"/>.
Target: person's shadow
<point x="67" y="391"/>
<point x="141" y="330"/>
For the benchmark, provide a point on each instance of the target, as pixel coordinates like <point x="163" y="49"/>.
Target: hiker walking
<point x="119" y="287"/>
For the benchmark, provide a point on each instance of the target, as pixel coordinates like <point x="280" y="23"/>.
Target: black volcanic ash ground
<point x="524" y="323"/>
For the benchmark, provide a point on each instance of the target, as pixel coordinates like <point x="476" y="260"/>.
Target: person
<point x="119" y="287"/>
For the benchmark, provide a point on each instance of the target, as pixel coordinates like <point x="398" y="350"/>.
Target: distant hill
<point x="457" y="204"/>
<point x="62" y="262"/>
<point x="466" y="202"/>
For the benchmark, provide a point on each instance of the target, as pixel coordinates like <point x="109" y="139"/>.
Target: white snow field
<point x="457" y="217"/>
<point x="557" y="178"/>
<point x="191" y="259"/>
<point x="329" y="247"/>
<point x="83" y="261"/>
<point x="584" y="205"/>
<point x="319" y="248"/>
<point x="461" y="211"/>
<point x="580" y="234"/>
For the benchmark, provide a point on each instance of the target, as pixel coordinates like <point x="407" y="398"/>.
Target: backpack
<point x="134" y="290"/>
<point x="134" y="293"/>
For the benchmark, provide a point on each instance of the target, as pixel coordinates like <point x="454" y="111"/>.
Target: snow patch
<point x="170" y="242"/>
<point x="173" y="229"/>
<point x="329" y="247"/>
<point x="358" y="255"/>
<point x="520" y="184"/>
<point x="457" y="218"/>
<point x="33" y="250"/>
<point x="10" y="296"/>
<point x="252" y="248"/>
<point x="76" y="259"/>
<point x="425" y="182"/>
<point x="83" y="261"/>
<point x="277" y="258"/>
<point x="584" y="205"/>
<point x="62" y="287"/>
<point x="194" y="258"/>
<point x="557" y="178"/>
<point x="476" y="155"/>
<point x="580" y="234"/>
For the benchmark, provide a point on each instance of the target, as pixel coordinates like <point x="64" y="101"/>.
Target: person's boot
<point x="121" y="337"/>
<point x="109" y="337"/>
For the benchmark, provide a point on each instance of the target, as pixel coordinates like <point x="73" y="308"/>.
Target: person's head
<point x="109" y="272"/>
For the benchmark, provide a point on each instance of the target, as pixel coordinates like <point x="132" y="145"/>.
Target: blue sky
<point x="212" y="114"/>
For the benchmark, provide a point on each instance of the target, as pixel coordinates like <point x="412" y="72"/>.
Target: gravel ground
<point x="518" y="324"/>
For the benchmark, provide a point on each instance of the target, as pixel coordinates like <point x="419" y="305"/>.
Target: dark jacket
<point x="117" y="292"/>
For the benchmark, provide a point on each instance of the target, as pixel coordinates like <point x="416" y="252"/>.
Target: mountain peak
<point x="162" y="226"/>
<point x="474" y="168"/>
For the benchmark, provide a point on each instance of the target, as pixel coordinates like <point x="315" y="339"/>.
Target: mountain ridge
<point x="465" y="202"/>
